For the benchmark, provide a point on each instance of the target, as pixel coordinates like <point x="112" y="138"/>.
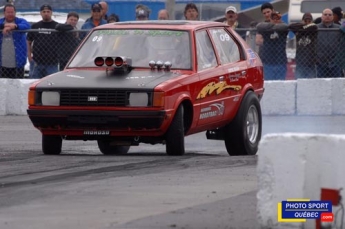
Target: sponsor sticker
<point x="252" y="57"/>
<point x="215" y="109"/>
<point x="96" y="132"/>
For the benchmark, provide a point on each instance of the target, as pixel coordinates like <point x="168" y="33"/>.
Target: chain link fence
<point x="50" y="49"/>
<point x="300" y="53"/>
<point x="285" y="54"/>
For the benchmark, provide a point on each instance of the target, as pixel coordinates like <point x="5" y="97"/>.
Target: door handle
<point x="221" y="78"/>
<point x="243" y="73"/>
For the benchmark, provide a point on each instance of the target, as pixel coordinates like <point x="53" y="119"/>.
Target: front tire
<point x="51" y="145"/>
<point x="243" y="134"/>
<point x="107" y="148"/>
<point x="175" y="135"/>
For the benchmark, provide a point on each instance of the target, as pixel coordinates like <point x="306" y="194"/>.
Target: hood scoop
<point x="118" y="65"/>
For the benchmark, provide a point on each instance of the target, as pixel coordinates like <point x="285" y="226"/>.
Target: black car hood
<point x="140" y="79"/>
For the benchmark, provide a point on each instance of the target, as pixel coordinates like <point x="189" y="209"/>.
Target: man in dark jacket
<point x="273" y="48"/>
<point x="42" y="48"/>
<point x="329" y="43"/>
<point x="68" y="41"/>
<point x="306" y="34"/>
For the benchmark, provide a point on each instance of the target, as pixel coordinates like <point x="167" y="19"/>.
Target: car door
<point x="234" y="64"/>
<point x="210" y="96"/>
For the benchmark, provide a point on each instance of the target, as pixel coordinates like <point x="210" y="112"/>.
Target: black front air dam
<point x="96" y="119"/>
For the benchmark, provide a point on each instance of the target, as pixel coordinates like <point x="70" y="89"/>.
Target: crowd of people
<point x="317" y="41"/>
<point x="319" y="44"/>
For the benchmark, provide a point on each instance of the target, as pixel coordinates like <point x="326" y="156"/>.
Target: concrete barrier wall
<point x="297" y="166"/>
<point x="279" y="98"/>
<point x="14" y="96"/>
<point x="304" y="97"/>
<point x="293" y="97"/>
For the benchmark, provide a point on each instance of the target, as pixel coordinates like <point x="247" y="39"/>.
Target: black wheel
<point x="51" y="145"/>
<point x="174" y="138"/>
<point x="243" y="134"/>
<point x="107" y="148"/>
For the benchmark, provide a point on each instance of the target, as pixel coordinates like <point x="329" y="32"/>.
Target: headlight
<point x="50" y="98"/>
<point x="138" y="99"/>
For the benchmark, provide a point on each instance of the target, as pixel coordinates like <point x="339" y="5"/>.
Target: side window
<point x="205" y="52"/>
<point x="226" y="46"/>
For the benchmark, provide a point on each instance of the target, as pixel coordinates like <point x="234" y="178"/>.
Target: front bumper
<point x="123" y="121"/>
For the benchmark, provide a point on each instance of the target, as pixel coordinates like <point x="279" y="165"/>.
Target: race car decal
<point x="234" y="69"/>
<point x="235" y="77"/>
<point x="97" y="38"/>
<point x="252" y="57"/>
<point x="224" y="37"/>
<point x="151" y="33"/>
<point x="215" y="109"/>
<point x="217" y="87"/>
<point x="96" y="132"/>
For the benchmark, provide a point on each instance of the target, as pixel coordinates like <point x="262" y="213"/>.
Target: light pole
<point x="170" y="7"/>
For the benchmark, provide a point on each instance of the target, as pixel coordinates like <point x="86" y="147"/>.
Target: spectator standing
<point x="142" y="15"/>
<point x="266" y="10"/>
<point x="337" y="15"/>
<point x="306" y="34"/>
<point x="328" y="45"/>
<point x="104" y="6"/>
<point x="231" y="20"/>
<point x="341" y="55"/>
<point x="273" y="49"/>
<point x="113" y="18"/>
<point x="12" y="44"/>
<point x="142" y="12"/>
<point x="95" y="19"/>
<point x="191" y="12"/>
<point x="68" y="40"/>
<point x="163" y="15"/>
<point x="42" y="48"/>
<point x="109" y="18"/>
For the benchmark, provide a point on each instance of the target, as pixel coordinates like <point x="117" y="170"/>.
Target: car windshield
<point x="141" y="46"/>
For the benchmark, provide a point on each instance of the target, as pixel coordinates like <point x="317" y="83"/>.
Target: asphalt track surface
<point x="81" y="188"/>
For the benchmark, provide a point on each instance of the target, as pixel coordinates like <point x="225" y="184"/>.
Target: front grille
<point x="93" y="98"/>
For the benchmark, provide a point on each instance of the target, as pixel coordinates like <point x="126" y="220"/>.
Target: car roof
<point x="163" y="24"/>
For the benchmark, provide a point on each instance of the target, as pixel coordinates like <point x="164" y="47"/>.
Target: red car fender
<point x="182" y="97"/>
<point x="247" y="87"/>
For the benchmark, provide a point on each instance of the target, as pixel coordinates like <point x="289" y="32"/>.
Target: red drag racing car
<point x="153" y="82"/>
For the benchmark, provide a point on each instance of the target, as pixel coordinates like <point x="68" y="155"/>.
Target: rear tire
<point x="108" y="149"/>
<point x="175" y="135"/>
<point x="51" y="145"/>
<point x="243" y="134"/>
